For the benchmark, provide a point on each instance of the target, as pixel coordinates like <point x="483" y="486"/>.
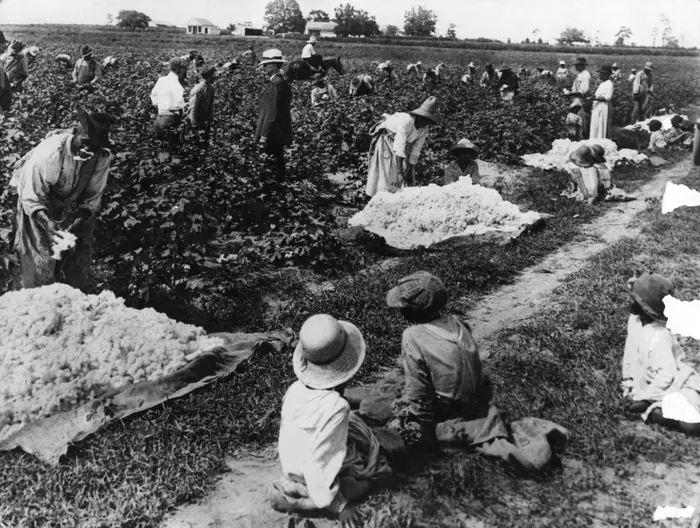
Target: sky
<point x="499" y="19"/>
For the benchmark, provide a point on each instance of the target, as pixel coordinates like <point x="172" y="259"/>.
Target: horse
<point x="300" y="70"/>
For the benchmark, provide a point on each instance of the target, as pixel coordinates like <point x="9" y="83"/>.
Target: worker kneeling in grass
<point x="464" y="164"/>
<point x="652" y="365"/>
<point x="444" y="396"/>
<point x="585" y="181"/>
<point x="329" y="456"/>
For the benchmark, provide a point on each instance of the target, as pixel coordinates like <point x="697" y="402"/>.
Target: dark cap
<point x="421" y="291"/>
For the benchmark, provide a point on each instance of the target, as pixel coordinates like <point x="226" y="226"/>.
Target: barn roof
<point x="200" y="22"/>
<point x="321" y="26"/>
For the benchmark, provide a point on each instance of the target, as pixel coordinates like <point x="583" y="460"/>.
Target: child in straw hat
<point x="585" y="181"/>
<point x="653" y="365"/>
<point x="322" y="91"/>
<point x="329" y="456"/>
<point x="464" y="164"/>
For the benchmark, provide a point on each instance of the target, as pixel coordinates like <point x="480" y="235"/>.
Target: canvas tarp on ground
<point x="49" y="438"/>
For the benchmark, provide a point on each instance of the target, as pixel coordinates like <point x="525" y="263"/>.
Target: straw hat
<point x="329" y="353"/>
<point x="598" y="153"/>
<point x="427" y="109"/>
<point x="582" y="157"/>
<point x="318" y="79"/>
<point x="312" y="40"/>
<point x="472" y="65"/>
<point x="384" y="65"/>
<point x="272" y="56"/>
<point x="649" y="291"/>
<point x="649" y="66"/>
<point x="575" y="105"/>
<point x="562" y="63"/>
<point x="86" y="51"/>
<point x="97" y="127"/>
<point x="421" y="291"/>
<point x="615" y="66"/>
<point x="464" y="143"/>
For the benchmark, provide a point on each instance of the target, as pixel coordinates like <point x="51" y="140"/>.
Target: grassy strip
<point x="132" y="473"/>
<point x="564" y="365"/>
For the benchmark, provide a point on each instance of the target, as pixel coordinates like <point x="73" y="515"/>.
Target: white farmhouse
<point x="201" y="26"/>
<point x="321" y="29"/>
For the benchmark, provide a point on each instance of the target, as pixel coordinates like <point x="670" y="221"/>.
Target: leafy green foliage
<point x="131" y="19"/>
<point x="419" y="21"/>
<point x="352" y="21"/>
<point x="284" y="15"/>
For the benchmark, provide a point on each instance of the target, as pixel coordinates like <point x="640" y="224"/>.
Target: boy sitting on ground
<point x="657" y="141"/>
<point x="574" y="123"/>
<point x="464" y="164"/>
<point x="330" y="457"/>
<point x="652" y="366"/>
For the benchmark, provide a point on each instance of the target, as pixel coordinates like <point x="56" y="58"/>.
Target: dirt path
<point x="239" y="499"/>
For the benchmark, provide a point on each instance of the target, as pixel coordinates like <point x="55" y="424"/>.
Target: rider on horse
<point x="309" y="54"/>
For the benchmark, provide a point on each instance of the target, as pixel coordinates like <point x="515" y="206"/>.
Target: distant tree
<point x="654" y="34"/>
<point x="570" y="36"/>
<point x="419" y="22"/>
<point x="508" y="40"/>
<point x="353" y="21"/>
<point x="540" y="41"/>
<point x="526" y="41"/>
<point x="283" y="16"/>
<point x="317" y="15"/>
<point x="624" y="33"/>
<point x="667" y="31"/>
<point x="231" y="27"/>
<point x="131" y="19"/>
<point x="110" y="19"/>
<point x="391" y="31"/>
<point x="672" y="42"/>
<point x="451" y="32"/>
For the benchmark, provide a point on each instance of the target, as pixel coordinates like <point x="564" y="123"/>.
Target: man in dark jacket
<point x="274" y="129"/>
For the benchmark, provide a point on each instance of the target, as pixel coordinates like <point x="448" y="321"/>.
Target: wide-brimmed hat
<point x="208" y="72"/>
<point x="598" y="153"/>
<point x="575" y="105"/>
<point x="605" y="69"/>
<point x="649" y="66"/>
<point x="421" y="291"/>
<point x="582" y="157"/>
<point x="427" y="109"/>
<point x="472" y="65"/>
<point x="318" y="79"/>
<point x="86" y="51"/>
<point x="312" y="40"/>
<point x="272" y="56"/>
<point x="505" y="67"/>
<point x="615" y="65"/>
<point x="581" y="61"/>
<point x="562" y="63"/>
<point x="419" y="63"/>
<point x="96" y="125"/>
<point x="384" y="65"/>
<point x="329" y="353"/>
<point x="3" y="40"/>
<point x="464" y="144"/>
<point x="649" y="291"/>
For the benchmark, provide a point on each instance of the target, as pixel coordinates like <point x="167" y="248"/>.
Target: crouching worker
<point x="585" y="181"/>
<point x="652" y="365"/>
<point x="329" y="456"/>
<point x="464" y="164"/>
<point x="444" y="396"/>
<point x="59" y="185"/>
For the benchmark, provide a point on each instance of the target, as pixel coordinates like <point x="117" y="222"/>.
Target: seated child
<point x="604" y="175"/>
<point x="585" y="181"/>
<point x="652" y="366"/>
<point x="681" y="134"/>
<point x="657" y="140"/>
<point x="574" y="123"/>
<point x="329" y="456"/>
<point x="322" y="91"/>
<point x="464" y="164"/>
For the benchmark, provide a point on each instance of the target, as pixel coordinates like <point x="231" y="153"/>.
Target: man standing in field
<point x="201" y="105"/>
<point x="15" y="64"/>
<point x="87" y="70"/>
<point x="580" y="91"/>
<point x="5" y="89"/>
<point x="274" y="128"/>
<point x="59" y="185"/>
<point x="168" y="96"/>
<point x="642" y="93"/>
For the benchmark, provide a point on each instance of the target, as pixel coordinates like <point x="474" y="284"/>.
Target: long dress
<point x="395" y="136"/>
<point x="601" y="110"/>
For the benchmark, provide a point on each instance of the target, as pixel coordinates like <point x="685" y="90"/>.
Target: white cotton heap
<point x="558" y="157"/>
<point x="673" y="512"/>
<point x="675" y="406"/>
<point x="60" y="348"/>
<point x="422" y="216"/>
<point x="676" y="196"/>
<point x="66" y="241"/>
<point x="665" y="121"/>
<point x="682" y="316"/>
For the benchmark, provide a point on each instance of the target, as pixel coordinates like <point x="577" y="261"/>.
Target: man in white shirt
<point x="581" y="91"/>
<point x="309" y="55"/>
<point x="168" y="96"/>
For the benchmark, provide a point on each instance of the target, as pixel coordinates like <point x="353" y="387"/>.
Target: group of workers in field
<point x="338" y="443"/>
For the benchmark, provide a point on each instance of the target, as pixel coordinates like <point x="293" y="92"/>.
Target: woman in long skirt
<point x="601" y="105"/>
<point x="396" y="145"/>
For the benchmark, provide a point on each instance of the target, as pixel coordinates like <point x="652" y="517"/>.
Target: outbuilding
<point x="245" y="30"/>
<point x="321" y="29"/>
<point x="201" y="26"/>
